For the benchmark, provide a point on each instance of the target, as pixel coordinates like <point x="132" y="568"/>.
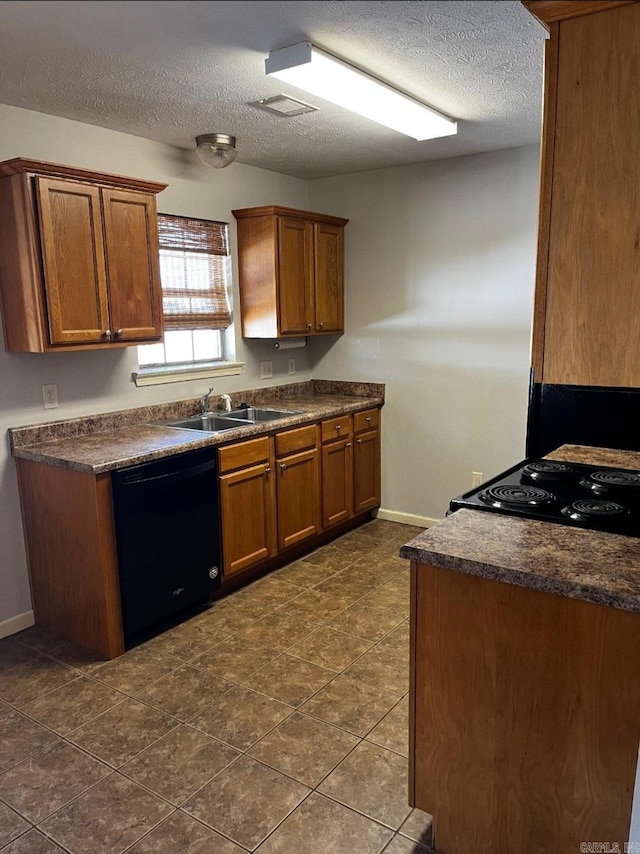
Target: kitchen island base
<point x="524" y="715"/>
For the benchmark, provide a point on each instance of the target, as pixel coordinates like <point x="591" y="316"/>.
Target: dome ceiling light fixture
<point x="307" y="67"/>
<point x="216" y="150"/>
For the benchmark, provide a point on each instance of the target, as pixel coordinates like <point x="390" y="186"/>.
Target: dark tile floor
<point x="274" y="722"/>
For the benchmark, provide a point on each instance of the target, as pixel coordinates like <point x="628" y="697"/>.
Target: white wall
<point x="440" y="261"/>
<point x="440" y="274"/>
<point x="93" y="382"/>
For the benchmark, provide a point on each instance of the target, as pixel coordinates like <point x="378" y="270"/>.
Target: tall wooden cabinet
<point x="78" y="258"/>
<point x="587" y="312"/>
<point x="291" y="265"/>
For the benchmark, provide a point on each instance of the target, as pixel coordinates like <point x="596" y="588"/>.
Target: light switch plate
<point x="266" y="370"/>
<point x="292" y="365"/>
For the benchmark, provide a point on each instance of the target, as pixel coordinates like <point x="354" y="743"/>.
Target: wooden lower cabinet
<point x="70" y="539"/>
<point x="247" y="504"/>
<point x="366" y="471"/>
<point x="337" y="470"/>
<point x="350" y="466"/>
<point x="298" y="497"/>
<point x="269" y="504"/>
<point x="297" y="485"/>
<point x="337" y="482"/>
<point x="271" y="491"/>
<point x="280" y="491"/>
<point x="524" y="716"/>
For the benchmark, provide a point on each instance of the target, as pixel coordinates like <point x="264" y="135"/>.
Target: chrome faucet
<point x="226" y="400"/>
<point x="204" y="401"/>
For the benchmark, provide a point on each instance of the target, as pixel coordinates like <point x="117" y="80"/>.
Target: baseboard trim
<point x="406" y="518"/>
<point x="16" y="624"/>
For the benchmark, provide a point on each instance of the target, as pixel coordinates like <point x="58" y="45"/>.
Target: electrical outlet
<point x="50" y="396"/>
<point x="476" y="478"/>
<point x="292" y="366"/>
<point x="266" y="370"/>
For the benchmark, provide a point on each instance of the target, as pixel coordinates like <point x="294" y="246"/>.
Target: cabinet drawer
<point x="367" y="420"/>
<point x="241" y="454"/>
<point x="336" y="428"/>
<point x="290" y="441"/>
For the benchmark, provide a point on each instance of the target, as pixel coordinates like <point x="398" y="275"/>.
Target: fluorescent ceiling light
<point x="311" y="69"/>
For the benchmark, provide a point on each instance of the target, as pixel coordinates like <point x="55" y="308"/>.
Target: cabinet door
<point x="337" y="482"/>
<point x="295" y="276"/>
<point x="298" y="497"/>
<point x="247" y="509"/>
<point x="328" y="242"/>
<point x="591" y="333"/>
<point x="366" y="468"/>
<point x="131" y="237"/>
<point x="73" y="260"/>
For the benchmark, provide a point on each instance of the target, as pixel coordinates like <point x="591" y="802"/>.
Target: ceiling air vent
<point x="284" y="106"/>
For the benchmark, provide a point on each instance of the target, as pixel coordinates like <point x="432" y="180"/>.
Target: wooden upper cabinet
<point x="131" y="237"/>
<point x="328" y="241"/>
<point x="73" y="260"/>
<point x="295" y="276"/>
<point x="79" y="263"/>
<point x="291" y="265"/>
<point x="587" y="312"/>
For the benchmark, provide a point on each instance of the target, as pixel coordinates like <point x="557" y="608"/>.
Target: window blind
<point x="194" y="272"/>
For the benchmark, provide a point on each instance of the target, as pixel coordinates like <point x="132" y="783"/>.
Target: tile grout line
<point x="274" y="609"/>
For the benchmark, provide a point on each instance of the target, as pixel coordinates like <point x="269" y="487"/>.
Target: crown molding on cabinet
<point x="20" y="165"/>
<point x="550" y="11"/>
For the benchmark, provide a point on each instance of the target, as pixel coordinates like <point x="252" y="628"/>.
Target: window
<point x="195" y="277"/>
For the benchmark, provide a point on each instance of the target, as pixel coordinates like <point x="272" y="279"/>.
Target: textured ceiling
<point x="168" y="71"/>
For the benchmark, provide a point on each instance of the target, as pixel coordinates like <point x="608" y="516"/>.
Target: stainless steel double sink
<point x="216" y="422"/>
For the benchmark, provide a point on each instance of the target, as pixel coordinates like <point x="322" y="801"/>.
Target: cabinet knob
<point x="118" y="333"/>
<point x="359" y="441"/>
<point x="282" y="466"/>
<point x="368" y="418"/>
<point x="338" y="426"/>
<point x="321" y="325"/>
<point x="309" y="325"/>
<point x="267" y="470"/>
<point x="107" y="334"/>
<point x="348" y="444"/>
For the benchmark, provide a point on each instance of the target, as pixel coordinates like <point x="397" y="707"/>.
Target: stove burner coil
<point x="615" y="478"/>
<point x="516" y="496"/>
<point x="546" y="470"/>
<point x="593" y="509"/>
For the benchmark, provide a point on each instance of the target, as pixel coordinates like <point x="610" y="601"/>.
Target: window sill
<point x="176" y="373"/>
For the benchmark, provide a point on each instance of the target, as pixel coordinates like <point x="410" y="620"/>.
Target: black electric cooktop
<point x="595" y="497"/>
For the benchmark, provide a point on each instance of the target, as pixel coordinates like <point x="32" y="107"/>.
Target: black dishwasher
<point x="168" y="536"/>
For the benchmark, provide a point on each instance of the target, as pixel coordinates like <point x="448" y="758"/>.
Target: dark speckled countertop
<point x="103" y="443"/>
<point x="590" y="565"/>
